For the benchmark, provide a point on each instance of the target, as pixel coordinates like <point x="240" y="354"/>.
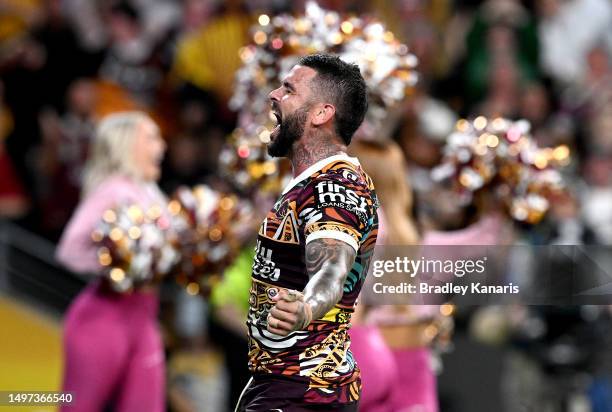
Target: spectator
<point x="64" y="150"/>
<point x="208" y="57"/>
<point x="597" y="197"/>
<point x="502" y="50"/>
<point x="566" y="39"/>
<point x="13" y="201"/>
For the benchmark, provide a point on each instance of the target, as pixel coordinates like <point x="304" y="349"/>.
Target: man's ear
<point x="323" y="113"/>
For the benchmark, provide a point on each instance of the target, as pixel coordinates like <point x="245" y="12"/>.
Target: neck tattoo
<point x="310" y="150"/>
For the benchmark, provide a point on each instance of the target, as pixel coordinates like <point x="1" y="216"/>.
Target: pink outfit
<point x="415" y="388"/>
<point x="482" y="233"/>
<point x="114" y="353"/>
<point x="379" y="374"/>
<point x="402" y="380"/>
<point x="113" y="348"/>
<point x="76" y="249"/>
<point x="393" y="380"/>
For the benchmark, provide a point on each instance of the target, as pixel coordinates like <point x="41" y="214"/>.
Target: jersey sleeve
<point x="337" y="206"/>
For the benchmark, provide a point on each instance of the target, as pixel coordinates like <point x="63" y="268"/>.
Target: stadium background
<point x="66" y="63"/>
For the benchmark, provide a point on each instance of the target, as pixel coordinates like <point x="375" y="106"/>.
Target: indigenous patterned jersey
<point x="333" y="198"/>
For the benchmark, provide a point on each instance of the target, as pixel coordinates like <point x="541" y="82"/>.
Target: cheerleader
<point x="112" y="345"/>
<point x="389" y="342"/>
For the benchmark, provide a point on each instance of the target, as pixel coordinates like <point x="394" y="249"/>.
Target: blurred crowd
<point x="66" y="63"/>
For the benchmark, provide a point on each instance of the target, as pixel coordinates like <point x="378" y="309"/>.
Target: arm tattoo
<point x="328" y="263"/>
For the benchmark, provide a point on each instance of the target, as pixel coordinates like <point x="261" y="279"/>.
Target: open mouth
<point x="279" y="121"/>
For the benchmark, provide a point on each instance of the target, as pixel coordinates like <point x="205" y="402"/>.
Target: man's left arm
<point x="328" y="263"/>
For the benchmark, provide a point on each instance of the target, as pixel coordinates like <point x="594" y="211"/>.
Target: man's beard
<point x="290" y="131"/>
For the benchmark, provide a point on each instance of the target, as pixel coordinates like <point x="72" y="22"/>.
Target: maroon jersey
<point x="334" y="198"/>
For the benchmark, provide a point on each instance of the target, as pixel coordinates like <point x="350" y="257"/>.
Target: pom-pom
<point x="278" y="43"/>
<point x="209" y="226"/>
<point x="501" y="155"/>
<point x="133" y="246"/>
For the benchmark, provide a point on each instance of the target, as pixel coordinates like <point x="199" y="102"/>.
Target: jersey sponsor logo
<point x="263" y="266"/>
<point x="330" y="194"/>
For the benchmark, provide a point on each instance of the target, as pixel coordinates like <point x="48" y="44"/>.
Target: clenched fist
<point x="290" y="313"/>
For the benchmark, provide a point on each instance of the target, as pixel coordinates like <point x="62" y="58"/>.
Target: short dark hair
<point x="343" y="85"/>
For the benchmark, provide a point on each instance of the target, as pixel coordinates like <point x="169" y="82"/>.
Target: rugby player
<point x="313" y="247"/>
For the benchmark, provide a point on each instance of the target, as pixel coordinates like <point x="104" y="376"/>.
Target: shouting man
<point x="313" y="248"/>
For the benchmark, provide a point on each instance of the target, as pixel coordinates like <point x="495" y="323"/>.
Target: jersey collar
<point x="318" y="166"/>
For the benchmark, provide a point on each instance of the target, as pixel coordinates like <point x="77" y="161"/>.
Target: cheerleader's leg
<point x="143" y="385"/>
<point x="95" y="352"/>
